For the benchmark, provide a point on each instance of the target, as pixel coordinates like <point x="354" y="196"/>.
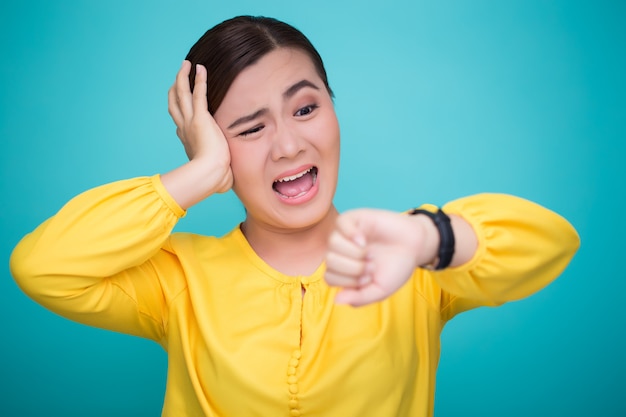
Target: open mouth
<point x="296" y="185"/>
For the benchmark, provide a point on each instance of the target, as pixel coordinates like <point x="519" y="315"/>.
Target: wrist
<point x="194" y="181"/>
<point x="426" y="247"/>
<point x="444" y="236"/>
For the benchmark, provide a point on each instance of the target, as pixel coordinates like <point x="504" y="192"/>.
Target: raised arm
<point x="506" y="248"/>
<point x="101" y="258"/>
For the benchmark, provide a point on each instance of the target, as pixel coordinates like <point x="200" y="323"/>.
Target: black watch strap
<point x="446" y="236"/>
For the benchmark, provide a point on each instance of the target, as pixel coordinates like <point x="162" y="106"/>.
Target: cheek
<point x="328" y="138"/>
<point x="246" y="162"/>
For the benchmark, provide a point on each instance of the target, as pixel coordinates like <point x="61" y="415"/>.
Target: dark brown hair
<point x="231" y="46"/>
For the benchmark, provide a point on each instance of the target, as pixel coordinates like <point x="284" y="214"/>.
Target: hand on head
<point x="199" y="133"/>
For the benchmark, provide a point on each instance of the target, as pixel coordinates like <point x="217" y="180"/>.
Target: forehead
<point x="259" y="83"/>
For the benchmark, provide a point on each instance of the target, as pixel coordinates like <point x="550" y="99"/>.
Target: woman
<point x="263" y="321"/>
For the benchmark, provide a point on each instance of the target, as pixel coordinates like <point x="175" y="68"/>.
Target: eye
<point x="306" y="110"/>
<point x="251" y="131"/>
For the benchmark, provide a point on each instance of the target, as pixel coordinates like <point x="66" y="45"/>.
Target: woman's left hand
<point x="372" y="253"/>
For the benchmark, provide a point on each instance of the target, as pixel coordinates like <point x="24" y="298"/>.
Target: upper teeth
<point x="293" y="177"/>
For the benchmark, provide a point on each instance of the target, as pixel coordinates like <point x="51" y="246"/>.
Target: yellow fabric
<point x="241" y="338"/>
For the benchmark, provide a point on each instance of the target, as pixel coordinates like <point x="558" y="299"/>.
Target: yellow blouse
<point x="241" y="339"/>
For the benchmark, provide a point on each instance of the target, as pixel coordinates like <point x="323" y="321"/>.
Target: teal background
<point x="436" y="100"/>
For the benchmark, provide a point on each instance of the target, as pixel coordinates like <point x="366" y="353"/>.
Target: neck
<point x="291" y="251"/>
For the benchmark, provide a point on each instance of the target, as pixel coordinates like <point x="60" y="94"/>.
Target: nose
<point x="287" y="143"/>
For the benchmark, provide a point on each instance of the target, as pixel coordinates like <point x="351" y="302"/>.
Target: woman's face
<point x="282" y="131"/>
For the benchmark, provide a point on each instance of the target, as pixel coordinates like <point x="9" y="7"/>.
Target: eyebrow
<point x="248" y="118"/>
<point x="290" y="92"/>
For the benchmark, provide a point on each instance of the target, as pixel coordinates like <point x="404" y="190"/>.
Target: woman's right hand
<point x="208" y="170"/>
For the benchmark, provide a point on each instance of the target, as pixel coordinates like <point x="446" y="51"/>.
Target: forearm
<point x="194" y="181"/>
<point x="465" y="239"/>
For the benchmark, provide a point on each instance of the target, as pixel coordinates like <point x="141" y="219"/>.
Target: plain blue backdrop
<point x="436" y="100"/>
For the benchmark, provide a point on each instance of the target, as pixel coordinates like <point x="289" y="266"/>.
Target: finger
<point x="183" y="91"/>
<point x="360" y="296"/>
<point x="348" y="225"/>
<point x="334" y="279"/>
<point x="342" y="265"/>
<point x="200" y="104"/>
<point x="347" y="240"/>
<point x="173" y="108"/>
<point x="346" y="245"/>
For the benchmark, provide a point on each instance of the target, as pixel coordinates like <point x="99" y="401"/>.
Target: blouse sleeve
<point x="100" y="260"/>
<point x="522" y="247"/>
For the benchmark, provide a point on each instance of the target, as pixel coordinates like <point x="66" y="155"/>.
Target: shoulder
<point x="185" y="244"/>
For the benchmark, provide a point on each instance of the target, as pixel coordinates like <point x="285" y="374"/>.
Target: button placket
<point x="293" y="365"/>
<point x="292" y="382"/>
